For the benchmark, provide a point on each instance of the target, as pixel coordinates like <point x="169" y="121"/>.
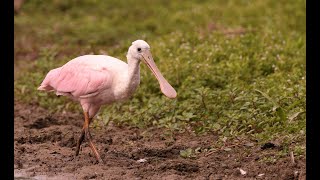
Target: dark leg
<point x="79" y="142"/>
<point x="86" y="133"/>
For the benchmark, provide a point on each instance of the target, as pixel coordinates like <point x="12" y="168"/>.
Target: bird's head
<point x="137" y="48"/>
<point x="140" y="50"/>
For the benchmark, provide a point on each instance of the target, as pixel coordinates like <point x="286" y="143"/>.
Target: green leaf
<point x="186" y="153"/>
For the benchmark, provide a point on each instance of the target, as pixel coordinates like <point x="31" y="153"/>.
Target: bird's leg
<point x="81" y="137"/>
<point x="79" y="142"/>
<point x="87" y="121"/>
<point x="86" y="133"/>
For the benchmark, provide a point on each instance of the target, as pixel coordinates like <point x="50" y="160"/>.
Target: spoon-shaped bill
<point x="165" y="87"/>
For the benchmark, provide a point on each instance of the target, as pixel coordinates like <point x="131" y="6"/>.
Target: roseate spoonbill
<point x="95" y="80"/>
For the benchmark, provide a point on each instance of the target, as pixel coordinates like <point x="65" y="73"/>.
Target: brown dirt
<point x="44" y="146"/>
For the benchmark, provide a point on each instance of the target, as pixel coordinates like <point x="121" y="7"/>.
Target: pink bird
<point x="95" y="80"/>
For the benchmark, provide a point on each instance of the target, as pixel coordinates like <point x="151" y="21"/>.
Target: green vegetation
<point x="238" y="66"/>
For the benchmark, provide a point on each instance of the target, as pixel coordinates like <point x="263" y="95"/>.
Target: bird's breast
<point x="126" y="87"/>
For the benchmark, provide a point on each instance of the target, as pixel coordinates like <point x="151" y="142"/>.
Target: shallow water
<point x="22" y="174"/>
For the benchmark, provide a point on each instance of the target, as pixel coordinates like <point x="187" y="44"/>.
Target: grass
<point x="238" y="66"/>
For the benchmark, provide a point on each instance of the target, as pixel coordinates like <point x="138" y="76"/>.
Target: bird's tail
<point x="48" y="82"/>
<point x="45" y="88"/>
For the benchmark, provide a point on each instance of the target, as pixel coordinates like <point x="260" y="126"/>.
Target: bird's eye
<point x="139" y="49"/>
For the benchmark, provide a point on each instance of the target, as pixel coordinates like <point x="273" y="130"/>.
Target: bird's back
<point x="96" y="61"/>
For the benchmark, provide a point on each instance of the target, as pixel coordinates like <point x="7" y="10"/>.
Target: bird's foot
<point x="100" y="161"/>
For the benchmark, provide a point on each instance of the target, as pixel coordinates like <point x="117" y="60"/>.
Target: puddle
<point x="22" y="174"/>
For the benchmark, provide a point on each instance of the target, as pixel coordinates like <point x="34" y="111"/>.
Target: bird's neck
<point x="133" y="76"/>
<point x="133" y="68"/>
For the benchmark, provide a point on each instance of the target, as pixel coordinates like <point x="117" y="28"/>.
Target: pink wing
<point x="77" y="78"/>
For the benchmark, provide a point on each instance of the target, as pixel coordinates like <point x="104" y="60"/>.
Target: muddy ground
<point x="44" y="146"/>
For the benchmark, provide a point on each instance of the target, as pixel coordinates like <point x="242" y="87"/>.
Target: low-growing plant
<point x="238" y="67"/>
